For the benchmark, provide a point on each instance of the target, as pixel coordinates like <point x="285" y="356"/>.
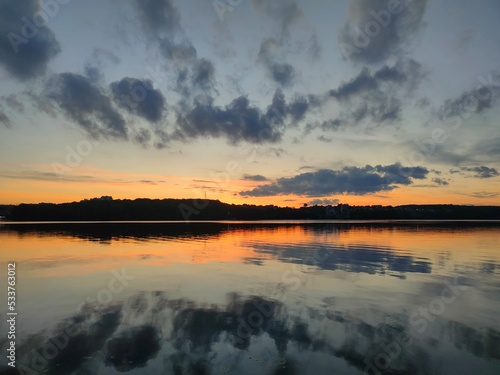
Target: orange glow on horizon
<point x="16" y="191"/>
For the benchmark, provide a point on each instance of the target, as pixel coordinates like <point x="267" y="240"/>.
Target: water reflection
<point x="246" y="299"/>
<point x="246" y="335"/>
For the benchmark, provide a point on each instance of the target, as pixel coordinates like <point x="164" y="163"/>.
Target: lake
<point x="254" y="298"/>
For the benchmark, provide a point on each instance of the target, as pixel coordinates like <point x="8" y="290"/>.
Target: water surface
<point x="255" y="298"/>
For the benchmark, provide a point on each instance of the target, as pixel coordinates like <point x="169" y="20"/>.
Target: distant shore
<point x="109" y="209"/>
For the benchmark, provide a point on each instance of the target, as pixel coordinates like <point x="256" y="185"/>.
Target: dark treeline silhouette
<point x="107" y="209"/>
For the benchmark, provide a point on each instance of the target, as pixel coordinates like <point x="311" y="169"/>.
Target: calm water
<point x="228" y="298"/>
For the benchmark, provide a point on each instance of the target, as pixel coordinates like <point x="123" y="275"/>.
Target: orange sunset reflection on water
<point x="76" y="254"/>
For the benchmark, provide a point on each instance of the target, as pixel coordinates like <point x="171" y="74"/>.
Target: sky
<point x="284" y="102"/>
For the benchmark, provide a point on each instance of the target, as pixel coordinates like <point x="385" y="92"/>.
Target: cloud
<point x="280" y="72"/>
<point x="203" y="74"/>
<point x="4" y="120"/>
<point x="474" y="101"/>
<point x="104" y="54"/>
<point x="348" y="180"/>
<point x="238" y="121"/>
<point x="256" y="177"/>
<point x="275" y="151"/>
<point x="285" y="12"/>
<point x="159" y="17"/>
<point x="374" y="96"/>
<point x="440" y="181"/>
<point x="483" y="194"/>
<point x="480" y="172"/>
<point x="179" y="53"/>
<point x="279" y="111"/>
<point x="489" y="147"/>
<point x="85" y="103"/>
<point x="323" y="202"/>
<point x="483" y="151"/>
<point x="139" y="97"/>
<point x="376" y="30"/>
<point x="94" y="66"/>
<point x="45" y="176"/>
<point x="324" y="139"/>
<point x="12" y="101"/>
<point x="298" y="108"/>
<point x="161" y="22"/>
<point x="25" y="49"/>
<point x="464" y="39"/>
<point x="404" y="74"/>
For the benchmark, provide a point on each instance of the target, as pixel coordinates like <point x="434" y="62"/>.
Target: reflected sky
<point x="226" y="298"/>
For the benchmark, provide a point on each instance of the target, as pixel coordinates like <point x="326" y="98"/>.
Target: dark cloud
<point x="275" y="151"/>
<point x="405" y="74"/>
<point x="238" y="121"/>
<point x="376" y="29"/>
<point x="474" y="101"/>
<point x="139" y="97"/>
<point x="256" y="177"/>
<point x="179" y="53"/>
<point x="159" y="17"/>
<point x="348" y="180"/>
<point x="362" y="83"/>
<point x="397" y="174"/>
<point x="480" y="172"/>
<point x="142" y="137"/>
<point x="279" y="111"/>
<point x="440" y="181"/>
<point x="298" y="108"/>
<point x="489" y="147"/>
<point x="280" y="72"/>
<point x="85" y="103"/>
<point x="93" y="72"/>
<point x="324" y="139"/>
<point x="276" y="112"/>
<point x="375" y="96"/>
<point x="25" y="49"/>
<point x="12" y="101"/>
<point x="4" y="120"/>
<point x="203" y="74"/>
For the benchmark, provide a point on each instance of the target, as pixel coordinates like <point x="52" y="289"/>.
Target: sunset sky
<point x="280" y="102"/>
